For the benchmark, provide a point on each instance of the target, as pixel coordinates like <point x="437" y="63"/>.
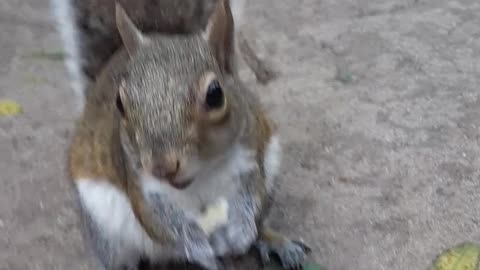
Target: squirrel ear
<point x="220" y="34"/>
<point x="131" y="36"/>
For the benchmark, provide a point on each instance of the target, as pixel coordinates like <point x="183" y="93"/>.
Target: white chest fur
<point x="111" y="211"/>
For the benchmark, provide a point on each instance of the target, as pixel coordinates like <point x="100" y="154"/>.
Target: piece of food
<point x="214" y="216"/>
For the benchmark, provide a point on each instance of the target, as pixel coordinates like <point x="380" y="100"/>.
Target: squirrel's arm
<point x="243" y="211"/>
<point x="158" y="232"/>
<point x="163" y="222"/>
<point x="168" y="226"/>
<point x="252" y="195"/>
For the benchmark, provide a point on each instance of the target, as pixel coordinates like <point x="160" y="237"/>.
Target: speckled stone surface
<point x="378" y="102"/>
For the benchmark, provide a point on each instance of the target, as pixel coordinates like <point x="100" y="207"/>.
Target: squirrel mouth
<point x="182" y="184"/>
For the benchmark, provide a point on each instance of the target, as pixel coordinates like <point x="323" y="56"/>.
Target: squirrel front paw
<point x="206" y="263"/>
<point x="201" y="255"/>
<point x="196" y="249"/>
<point x="235" y="238"/>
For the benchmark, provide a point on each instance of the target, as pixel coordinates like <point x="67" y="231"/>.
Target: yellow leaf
<point x="462" y="257"/>
<point x="9" y="107"/>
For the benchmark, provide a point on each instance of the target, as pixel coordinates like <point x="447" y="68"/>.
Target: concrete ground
<point x="378" y="102"/>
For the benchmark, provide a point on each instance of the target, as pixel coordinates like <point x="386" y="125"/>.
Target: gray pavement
<point x="378" y="102"/>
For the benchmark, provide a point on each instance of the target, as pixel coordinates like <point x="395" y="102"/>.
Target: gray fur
<point x="161" y="81"/>
<point x="192" y="245"/>
<point x="240" y="233"/>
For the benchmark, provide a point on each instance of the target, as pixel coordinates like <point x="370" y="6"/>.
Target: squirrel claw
<point x="305" y="247"/>
<point x="291" y="253"/>
<point x="264" y="251"/>
<point x="207" y="263"/>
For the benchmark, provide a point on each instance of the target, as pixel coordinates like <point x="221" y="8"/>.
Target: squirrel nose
<point x="168" y="169"/>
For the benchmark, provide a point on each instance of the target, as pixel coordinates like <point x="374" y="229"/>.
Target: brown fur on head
<point x="176" y="100"/>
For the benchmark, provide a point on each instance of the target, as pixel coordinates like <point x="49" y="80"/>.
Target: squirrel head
<point x="176" y="99"/>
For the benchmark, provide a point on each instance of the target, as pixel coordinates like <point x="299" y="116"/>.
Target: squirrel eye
<point x="214" y="98"/>
<point x="119" y="104"/>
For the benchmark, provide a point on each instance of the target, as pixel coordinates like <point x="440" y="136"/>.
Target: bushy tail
<point x="238" y="7"/>
<point x="66" y="25"/>
<point x="90" y="37"/>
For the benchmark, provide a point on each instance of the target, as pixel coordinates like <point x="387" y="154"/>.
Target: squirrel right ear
<point x="131" y="36"/>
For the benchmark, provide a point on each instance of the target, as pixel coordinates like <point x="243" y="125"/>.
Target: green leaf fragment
<point x="462" y="257"/>
<point x="306" y="266"/>
<point x="312" y="266"/>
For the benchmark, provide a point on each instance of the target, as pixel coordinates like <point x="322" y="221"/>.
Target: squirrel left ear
<point x="131" y="36"/>
<point x="220" y="35"/>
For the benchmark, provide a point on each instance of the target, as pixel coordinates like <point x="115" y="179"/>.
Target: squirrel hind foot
<point x="291" y="253"/>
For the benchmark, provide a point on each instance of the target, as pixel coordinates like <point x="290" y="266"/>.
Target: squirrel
<point x="172" y="157"/>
